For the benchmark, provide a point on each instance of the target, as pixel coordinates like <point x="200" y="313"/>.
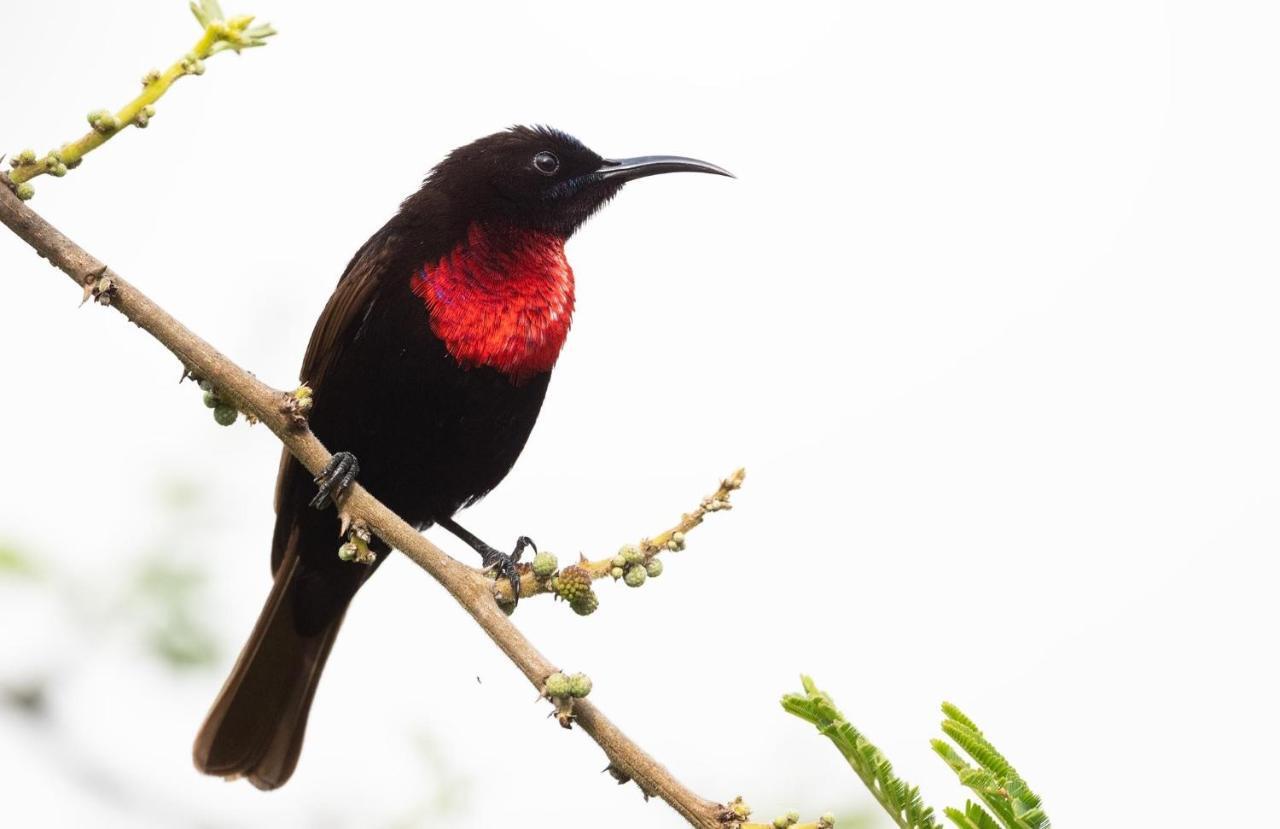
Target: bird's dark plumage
<point x="429" y="364"/>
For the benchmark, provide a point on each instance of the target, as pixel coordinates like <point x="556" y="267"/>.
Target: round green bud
<point x="827" y="821"/>
<point x="25" y="157"/>
<point x="586" y="604"/>
<point x="617" y="573"/>
<point x="58" y="170"/>
<point x="544" y="564"/>
<point x="573" y="582"/>
<point x="206" y="385"/>
<point x="781" y="823"/>
<point x="631" y="554"/>
<point x="557" y="685"/>
<point x="619" y="561"/>
<point x="24" y="191"/>
<point x="225" y="415"/>
<point x="211" y="399"/>
<point x="635" y="576"/>
<point x="653" y="568"/>
<point x="676" y="543"/>
<point x="348" y="551"/>
<point x="579" y="685"/>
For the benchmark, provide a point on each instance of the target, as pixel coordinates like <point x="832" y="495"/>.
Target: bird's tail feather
<point x="255" y="727"/>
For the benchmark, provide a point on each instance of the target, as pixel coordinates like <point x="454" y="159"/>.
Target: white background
<point x="989" y="316"/>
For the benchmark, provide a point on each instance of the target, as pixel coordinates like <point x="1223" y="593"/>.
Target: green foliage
<point x="15" y="563"/>
<point x="900" y="800"/>
<point x="1009" y="802"/>
<point x="994" y="780"/>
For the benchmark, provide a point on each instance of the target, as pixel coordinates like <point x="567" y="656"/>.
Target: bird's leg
<point x="493" y="559"/>
<point x="338" y="474"/>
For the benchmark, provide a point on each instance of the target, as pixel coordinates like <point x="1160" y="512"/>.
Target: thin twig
<point x="273" y="408"/>
<point x="219" y="35"/>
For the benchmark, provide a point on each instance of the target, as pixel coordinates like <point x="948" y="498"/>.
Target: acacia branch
<point x="277" y="411"/>
<point x="220" y="34"/>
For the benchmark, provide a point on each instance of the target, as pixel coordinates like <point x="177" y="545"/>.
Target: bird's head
<point x="543" y="179"/>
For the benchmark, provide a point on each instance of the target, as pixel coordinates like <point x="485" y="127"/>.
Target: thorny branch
<point x="278" y="412"/>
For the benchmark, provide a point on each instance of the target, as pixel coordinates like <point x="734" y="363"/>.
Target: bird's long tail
<point x="256" y="725"/>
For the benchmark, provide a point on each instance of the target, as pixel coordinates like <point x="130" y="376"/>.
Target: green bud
<point x="544" y="564"/>
<point x="151" y="77"/>
<point x="103" y="121"/>
<point x="653" y="568"/>
<point x="635" y="576"/>
<point x="585" y="604"/>
<point x="619" y="561"/>
<point x="225" y="415"/>
<point x="631" y="554"/>
<point x="579" y="685"/>
<point x="58" y="170"/>
<point x="24" y="157"/>
<point x="617" y="573"/>
<point x="676" y="544"/>
<point x="827" y="821"/>
<point x="24" y="191"/>
<point x="557" y="685"/>
<point x="211" y="399"/>
<point x="206" y="385"/>
<point x="348" y="551"/>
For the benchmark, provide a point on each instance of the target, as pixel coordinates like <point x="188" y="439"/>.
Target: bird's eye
<point x="546" y="163"/>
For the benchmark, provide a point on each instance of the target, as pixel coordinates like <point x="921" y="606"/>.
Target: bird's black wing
<point x="334" y="331"/>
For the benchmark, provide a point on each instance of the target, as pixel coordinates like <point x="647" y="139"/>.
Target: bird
<point x="428" y="368"/>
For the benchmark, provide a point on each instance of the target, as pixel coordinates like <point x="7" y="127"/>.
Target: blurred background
<point x="989" y="316"/>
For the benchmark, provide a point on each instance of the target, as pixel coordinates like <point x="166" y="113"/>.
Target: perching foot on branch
<point x="338" y="474"/>
<point x="505" y="565"/>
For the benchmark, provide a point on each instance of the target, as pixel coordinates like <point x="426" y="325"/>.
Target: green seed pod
<point x="24" y="191"/>
<point x="544" y="564"/>
<point x="224" y="414"/>
<point x="653" y="568"/>
<point x="557" y="685"/>
<point x="579" y="685"/>
<point x="635" y="576"/>
<point x="573" y="582"/>
<point x="211" y="399"/>
<point x="585" y="605"/>
<point x="617" y="573"/>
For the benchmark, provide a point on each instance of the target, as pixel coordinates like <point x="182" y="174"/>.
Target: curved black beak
<point x="626" y="169"/>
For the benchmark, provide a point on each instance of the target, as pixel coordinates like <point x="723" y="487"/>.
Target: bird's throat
<point x="502" y="298"/>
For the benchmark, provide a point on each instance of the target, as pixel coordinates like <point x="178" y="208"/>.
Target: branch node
<point x="296" y="406"/>
<point x="357" y="547"/>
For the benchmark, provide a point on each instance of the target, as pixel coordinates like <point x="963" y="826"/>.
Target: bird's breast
<point x="502" y="298"/>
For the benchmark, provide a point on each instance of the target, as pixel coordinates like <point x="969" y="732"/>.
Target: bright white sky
<point x="989" y="316"/>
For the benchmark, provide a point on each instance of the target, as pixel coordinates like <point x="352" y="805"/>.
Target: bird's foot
<point x="504" y="564"/>
<point x="338" y="474"/>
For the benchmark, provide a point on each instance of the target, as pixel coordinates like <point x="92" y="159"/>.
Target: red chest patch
<point x="501" y="299"/>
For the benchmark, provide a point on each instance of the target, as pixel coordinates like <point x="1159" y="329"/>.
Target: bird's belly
<point x="430" y="435"/>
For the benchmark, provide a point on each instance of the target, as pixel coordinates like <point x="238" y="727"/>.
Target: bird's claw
<point x="338" y="474"/>
<point x="505" y="565"/>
